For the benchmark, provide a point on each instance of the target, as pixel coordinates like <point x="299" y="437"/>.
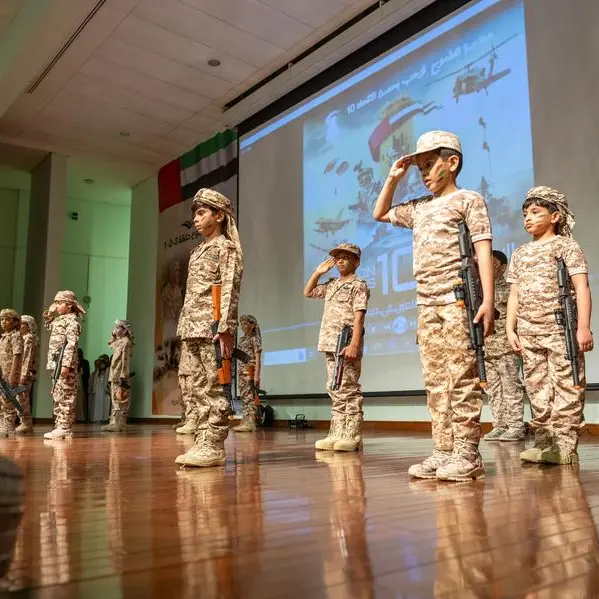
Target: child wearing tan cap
<point x="454" y="394"/>
<point x="345" y="304"/>
<point x="62" y="319"/>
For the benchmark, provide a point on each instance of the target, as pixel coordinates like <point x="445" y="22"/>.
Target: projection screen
<point x="309" y="177"/>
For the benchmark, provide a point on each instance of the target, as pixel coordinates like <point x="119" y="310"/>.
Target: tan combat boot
<point x="117" y="424"/>
<point x="427" y="469"/>
<point x="352" y="434"/>
<point x="543" y="440"/>
<point x="25" y="427"/>
<point x="189" y="427"/>
<point x="205" y="453"/>
<point x="464" y="465"/>
<point x="335" y="433"/>
<point x="59" y="433"/>
<point x="246" y="426"/>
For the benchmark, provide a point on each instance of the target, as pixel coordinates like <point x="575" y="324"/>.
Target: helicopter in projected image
<point x="471" y="79"/>
<point x="328" y="226"/>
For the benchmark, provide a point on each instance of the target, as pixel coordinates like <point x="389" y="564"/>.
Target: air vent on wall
<point x="38" y="80"/>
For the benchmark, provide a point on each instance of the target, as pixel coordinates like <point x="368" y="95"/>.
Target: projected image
<point x="471" y="80"/>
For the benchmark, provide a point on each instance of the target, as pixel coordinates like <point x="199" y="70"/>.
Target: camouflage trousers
<point x="8" y="414"/>
<point x="65" y="396"/>
<point x="247" y="396"/>
<point x="25" y="401"/>
<point x="187" y="407"/>
<point x="454" y="395"/>
<point x="203" y="395"/>
<point x="505" y="391"/>
<point x="557" y="408"/>
<point x="120" y="398"/>
<point x="348" y="399"/>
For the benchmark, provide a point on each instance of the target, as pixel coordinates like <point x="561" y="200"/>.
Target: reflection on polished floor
<point x="112" y="516"/>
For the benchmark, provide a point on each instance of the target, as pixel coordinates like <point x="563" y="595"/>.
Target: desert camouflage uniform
<point x="120" y="371"/>
<point x="28" y="375"/>
<point x="342" y="299"/>
<point x="206" y="408"/>
<point x="11" y="352"/>
<point x="64" y="328"/>
<point x="453" y="391"/>
<point x="250" y="344"/>
<point x="505" y="392"/>
<point x="556" y="406"/>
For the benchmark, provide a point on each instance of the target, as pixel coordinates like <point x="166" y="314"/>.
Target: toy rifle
<point x="223" y="364"/>
<point x="58" y="359"/>
<point x="10" y="394"/>
<point x="343" y="341"/>
<point x="567" y="317"/>
<point x="469" y="295"/>
<point x="240" y="355"/>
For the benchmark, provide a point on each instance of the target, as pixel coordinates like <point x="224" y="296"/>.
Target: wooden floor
<point x="112" y="516"/>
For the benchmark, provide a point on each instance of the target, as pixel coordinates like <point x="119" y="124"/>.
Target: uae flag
<point x="210" y="164"/>
<point x="213" y="164"/>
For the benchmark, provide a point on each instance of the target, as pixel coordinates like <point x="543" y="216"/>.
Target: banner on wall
<point x="213" y="164"/>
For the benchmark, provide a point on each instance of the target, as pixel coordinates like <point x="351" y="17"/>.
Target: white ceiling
<point x="140" y="67"/>
<point x="8" y="9"/>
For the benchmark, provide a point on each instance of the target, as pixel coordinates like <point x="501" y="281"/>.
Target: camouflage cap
<point x="125" y="325"/>
<point x="69" y="297"/>
<point x="346" y="247"/>
<point x="213" y="198"/>
<point x="435" y="140"/>
<point x="30" y="322"/>
<point x="9" y="313"/>
<point x="217" y="200"/>
<point x="252" y="320"/>
<point x="558" y="198"/>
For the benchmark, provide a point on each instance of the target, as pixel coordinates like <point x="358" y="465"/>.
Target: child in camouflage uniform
<point x="251" y="344"/>
<point x="216" y="261"/>
<point x="533" y="331"/>
<point x="345" y="303"/>
<point x="62" y="319"/>
<point x="454" y="395"/>
<point x="11" y="354"/>
<point x="28" y="370"/>
<point x="121" y="343"/>
<point x="505" y="392"/>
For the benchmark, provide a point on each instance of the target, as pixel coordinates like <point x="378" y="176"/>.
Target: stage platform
<point x="111" y="515"/>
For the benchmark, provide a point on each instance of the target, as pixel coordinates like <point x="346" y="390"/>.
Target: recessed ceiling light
<point x="124" y="134"/>
<point x="88" y="181"/>
<point x="214" y="62"/>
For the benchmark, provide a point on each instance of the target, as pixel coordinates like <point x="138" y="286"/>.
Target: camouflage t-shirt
<point x="29" y="365"/>
<point x="11" y="345"/>
<point x="533" y="268"/>
<point x="250" y="344"/>
<point x="64" y="328"/>
<point x="341" y="300"/>
<point x="120" y="366"/>
<point x="215" y="262"/>
<point x="436" y="246"/>
<point x="497" y="344"/>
